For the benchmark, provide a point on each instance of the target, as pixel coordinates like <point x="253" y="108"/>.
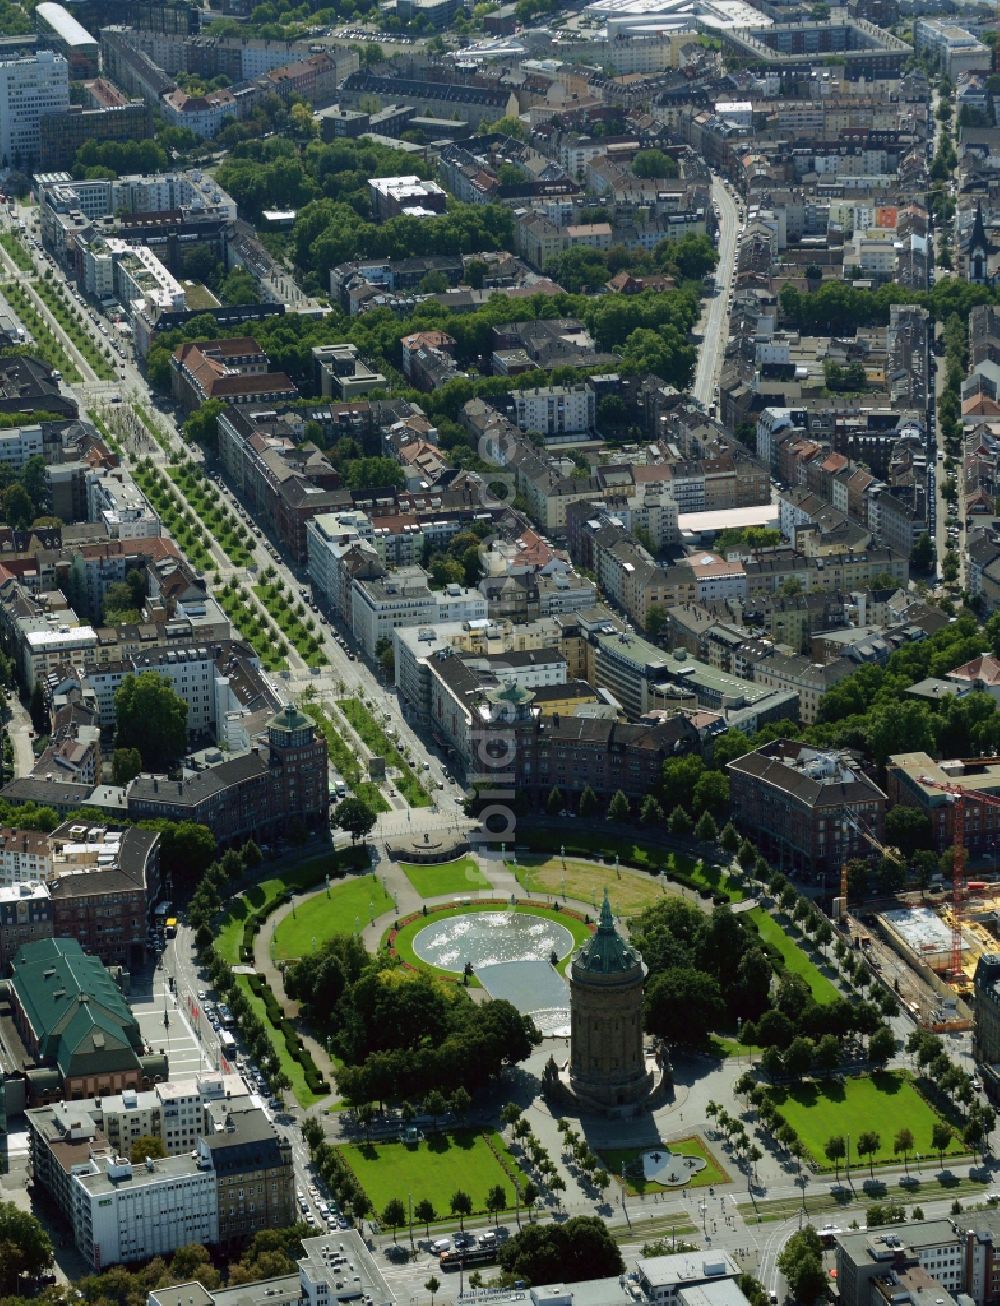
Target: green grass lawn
<point x="632" y="852"/>
<point x="403" y="942"/>
<point x="797" y="960"/>
<point x="884" y="1102"/>
<point x="434" y="1168"/>
<point x="616" y="1157"/>
<point x="335" y="912"/>
<point x="264" y="896"/>
<point x="460" y="876"/>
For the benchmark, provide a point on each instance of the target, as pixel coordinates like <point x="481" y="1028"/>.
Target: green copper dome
<point x="606" y="952"/>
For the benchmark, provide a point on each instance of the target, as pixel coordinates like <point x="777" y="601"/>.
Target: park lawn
<point x="265" y="896"/>
<point x="460" y="876"/>
<point x="633" y="852"/>
<point x="340" y="910"/>
<point x="797" y="960"/>
<point x="296" y="1075"/>
<point x="575" y="881"/>
<point x="884" y="1103"/>
<point x="617" y="1157"/>
<point x="403" y="942"/>
<point x="434" y="1168"/>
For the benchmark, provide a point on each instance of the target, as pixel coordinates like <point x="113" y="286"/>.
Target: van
<point x="441" y="1245"/>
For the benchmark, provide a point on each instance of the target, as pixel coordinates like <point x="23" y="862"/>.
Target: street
<point x="715" y="314"/>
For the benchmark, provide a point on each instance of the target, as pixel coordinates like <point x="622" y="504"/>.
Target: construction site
<point x="926" y="945"/>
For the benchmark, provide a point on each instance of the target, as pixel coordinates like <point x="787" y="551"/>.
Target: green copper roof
<point x="290" y="718"/>
<point x="606" y="952"/>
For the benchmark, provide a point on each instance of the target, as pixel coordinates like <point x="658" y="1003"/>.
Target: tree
<point x="37" y="710"/>
<point x="394" y="1215"/>
<point x="460" y="1205"/>
<point x="588" y="802"/>
<point x="355" y="816"/>
<point x="729" y="839"/>
<point x="881" y="1046"/>
<point x="555" y="801"/>
<point x="126" y="763"/>
<point x="25" y="1247"/>
<point x="147" y="1145"/>
<point x="17" y="507"/>
<point x="496" y="1201"/>
<point x="868" y="1144"/>
<point x="425" y="1213"/>
<point x="151" y="718"/>
<point x="922" y="553"/>
<point x="679" y="823"/>
<point x="202" y="427"/>
<point x="799" y="1057"/>
<point x="827" y="1056"/>
<point x="836" y="1150"/>
<point x="706" y="829"/>
<point x="907" y="828"/>
<point x="941" y="1136"/>
<point x="433" y="1285"/>
<point x="435" y="1105"/>
<point x="651" y="812"/>
<point x="654" y="163"/>
<point x="903" y="1142"/>
<point x="618" y="808"/>
<point x="580" y="1249"/>
<point x="801" y="1266"/>
<point x="683" y="1004"/>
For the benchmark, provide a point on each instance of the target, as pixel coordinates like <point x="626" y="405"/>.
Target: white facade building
<point x="328" y="538"/>
<point x="20" y="443"/>
<point x="30" y="89"/>
<point x="123" y="1212"/>
<point x="115" y="500"/>
<point x="556" y="410"/>
<point x="404" y="598"/>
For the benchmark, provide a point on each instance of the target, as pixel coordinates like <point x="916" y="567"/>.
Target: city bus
<point x="467" y="1256"/>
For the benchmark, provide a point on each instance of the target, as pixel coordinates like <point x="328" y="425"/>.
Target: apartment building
<point x="557" y="412"/>
<point x="252" y="1167"/>
<point x="335" y="540"/>
<point x="404" y="598"/>
<point x="105" y="883"/>
<point x="31" y="89"/>
<point x="25" y="915"/>
<point x="867" y="1257"/>
<point x="284" y="480"/>
<point x="236" y="371"/>
<point x="761" y="662"/>
<point x="26" y="856"/>
<point x="956" y="49"/>
<point x="906" y="782"/>
<point x="177" y="1112"/>
<point x="283" y="778"/>
<point x="806" y="808"/>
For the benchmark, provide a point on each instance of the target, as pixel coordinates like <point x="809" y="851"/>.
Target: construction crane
<point x="959" y="797"/>
<point x="886" y="850"/>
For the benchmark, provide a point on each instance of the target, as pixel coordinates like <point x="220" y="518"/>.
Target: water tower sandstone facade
<point x="608" y="1068"/>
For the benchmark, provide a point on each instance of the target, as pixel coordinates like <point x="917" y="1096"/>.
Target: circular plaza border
<point x="398" y="940"/>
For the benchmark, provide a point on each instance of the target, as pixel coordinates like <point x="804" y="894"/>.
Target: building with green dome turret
<point x="606" y="980"/>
